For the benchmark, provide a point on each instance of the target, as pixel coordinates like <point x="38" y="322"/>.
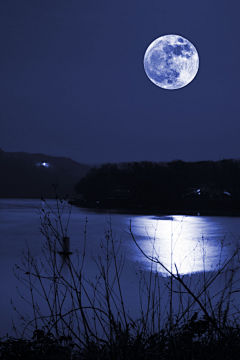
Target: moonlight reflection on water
<point x="193" y="243"/>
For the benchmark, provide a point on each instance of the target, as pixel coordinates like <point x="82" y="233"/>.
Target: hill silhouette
<point x="24" y="175"/>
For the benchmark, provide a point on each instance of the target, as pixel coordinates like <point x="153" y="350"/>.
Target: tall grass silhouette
<point x="74" y="317"/>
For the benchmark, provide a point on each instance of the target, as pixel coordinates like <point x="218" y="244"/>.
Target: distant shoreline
<point x="152" y="211"/>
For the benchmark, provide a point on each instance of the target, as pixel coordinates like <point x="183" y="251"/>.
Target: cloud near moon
<point x="171" y="62"/>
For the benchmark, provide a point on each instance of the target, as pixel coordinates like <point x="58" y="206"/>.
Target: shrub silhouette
<point x="98" y="326"/>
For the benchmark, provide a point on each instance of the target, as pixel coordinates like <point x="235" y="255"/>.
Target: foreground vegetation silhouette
<point x="97" y="324"/>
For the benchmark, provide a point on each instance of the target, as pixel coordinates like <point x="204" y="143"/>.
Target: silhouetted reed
<point x="88" y="319"/>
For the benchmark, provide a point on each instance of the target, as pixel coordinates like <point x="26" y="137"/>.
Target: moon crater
<point x="171" y="62"/>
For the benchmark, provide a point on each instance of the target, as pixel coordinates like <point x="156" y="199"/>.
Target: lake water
<point x="193" y="243"/>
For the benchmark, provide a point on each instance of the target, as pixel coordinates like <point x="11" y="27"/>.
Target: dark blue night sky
<point x="72" y="81"/>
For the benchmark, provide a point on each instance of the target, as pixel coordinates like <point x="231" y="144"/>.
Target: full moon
<point x="171" y="62"/>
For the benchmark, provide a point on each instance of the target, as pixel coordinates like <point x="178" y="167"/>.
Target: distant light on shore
<point x="43" y="164"/>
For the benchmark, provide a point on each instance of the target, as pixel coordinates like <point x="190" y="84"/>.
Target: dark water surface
<point x="193" y="243"/>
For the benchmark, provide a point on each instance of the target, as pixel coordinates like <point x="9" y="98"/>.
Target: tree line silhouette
<point x="206" y="186"/>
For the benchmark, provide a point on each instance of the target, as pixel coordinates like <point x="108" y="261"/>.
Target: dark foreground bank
<point x="196" y="340"/>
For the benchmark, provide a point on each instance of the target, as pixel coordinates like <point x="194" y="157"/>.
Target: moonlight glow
<point x="171" y="62"/>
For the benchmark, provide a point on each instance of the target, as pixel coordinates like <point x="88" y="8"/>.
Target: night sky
<point x="72" y="81"/>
